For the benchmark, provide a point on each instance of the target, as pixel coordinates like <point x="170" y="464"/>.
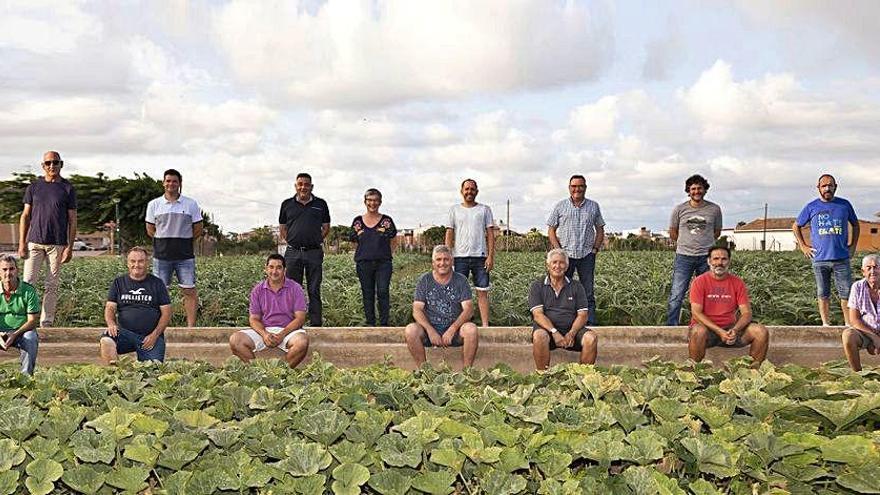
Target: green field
<point x="192" y="429"/>
<point x="631" y="288"/>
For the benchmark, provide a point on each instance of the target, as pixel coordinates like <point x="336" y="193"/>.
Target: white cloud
<point x="389" y="51"/>
<point x="46" y="27"/>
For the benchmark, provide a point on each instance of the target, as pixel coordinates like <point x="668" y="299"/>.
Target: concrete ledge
<point x="355" y="346"/>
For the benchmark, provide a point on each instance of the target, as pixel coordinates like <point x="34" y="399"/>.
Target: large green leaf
<point x="90" y="446"/>
<point x="346" y="451"/>
<point x="595" y="385"/>
<point x="324" y="425"/>
<point x="666" y="409"/>
<point x="844" y="412"/>
<point x="196" y="419"/>
<point x="850" y="449"/>
<point x="552" y="463"/>
<point x="305" y="459"/>
<point x="397" y="450"/>
<point x="865" y="479"/>
<point x="390" y="482"/>
<point x="9" y="482"/>
<point x="42" y="474"/>
<point x="40" y="447"/>
<point x="115" y="423"/>
<point x="18" y="420"/>
<point x="435" y="482"/>
<point x="180" y="449"/>
<point x="148" y="424"/>
<point x="710" y="457"/>
<point x="83" y="478"/>
<point x="61" y="422"/>
<point x="10" y="454"/>
<point x="500" y="482"/>
<point x="703" y="487"/>
<point x="368" y="426"/>
<point x="604" y="447"/>
<point x="143" y="449"/>
<point x="130" y="479"/>
<point x="422" y="428"/>
<point x="348" y="479"/>
<point x="473" y="447"/>
<point x="223" y="437"/>
<point x="647" y="446"/>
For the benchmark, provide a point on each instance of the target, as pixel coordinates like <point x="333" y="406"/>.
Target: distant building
<point x="9" y="238"/>
<point x="750" y="236"/>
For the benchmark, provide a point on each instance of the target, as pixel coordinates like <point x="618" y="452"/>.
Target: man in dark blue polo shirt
<point x="304" y="222"/>
<point x="559" y="314"/>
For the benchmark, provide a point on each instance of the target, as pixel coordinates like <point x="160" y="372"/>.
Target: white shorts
<point x="259" y="345"/>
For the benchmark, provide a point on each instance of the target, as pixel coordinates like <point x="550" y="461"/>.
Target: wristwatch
<point x="553" y="330"/>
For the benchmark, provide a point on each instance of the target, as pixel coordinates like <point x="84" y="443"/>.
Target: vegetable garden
<point x="189" y="428"/>
<point x="631" y="288"/>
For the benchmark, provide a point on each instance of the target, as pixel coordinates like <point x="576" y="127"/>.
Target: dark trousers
<point x="308" y="263"/>
<point x="375" y="277"/>
<point x="586" y="270"/>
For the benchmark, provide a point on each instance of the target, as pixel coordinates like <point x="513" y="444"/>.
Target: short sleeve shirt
<point x="720" y="298"/>
<point x="277" y="309"/>
<point x="576" y="226"/>
<point x="49" y="202"/>
<point x="304" y="221"/>
<point x="373" y="243"/>
<point x="138" y="302"/>
<point x="696" y="227"/>
<point x="562" y="308"/>
<point x="22" y="302"/>
<point x="470" y="226"/>
<point x="442" y="302"/>
<point x="174" y="227"/>
<point x="829" y="227"/>
<point x="860" y="299"/>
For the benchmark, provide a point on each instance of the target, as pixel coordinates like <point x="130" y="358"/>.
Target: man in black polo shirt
<point x="304" y="222"/>
<point x="559" y="314"/>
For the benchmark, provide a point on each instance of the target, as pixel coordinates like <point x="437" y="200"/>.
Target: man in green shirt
<point x="19" y="314"/>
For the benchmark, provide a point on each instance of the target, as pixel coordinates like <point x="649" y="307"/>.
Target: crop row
<point x="189" y="428"/>
<point x="631" y="288"/>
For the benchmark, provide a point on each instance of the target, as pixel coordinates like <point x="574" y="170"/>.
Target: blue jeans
<point x="128" y="341"/>
<point x="586" y="270"/>
<point x="185" y="269"/>
<point x="842" y="272"/>
<point x="683" y="268"/>
<point x="466" y="265"/>
<point x="375" y="277"/>
<point x="28" y="343"/>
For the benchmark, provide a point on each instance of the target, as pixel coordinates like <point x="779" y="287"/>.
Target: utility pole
<point x="507" y="243"/>
<point x="764" y="242"/>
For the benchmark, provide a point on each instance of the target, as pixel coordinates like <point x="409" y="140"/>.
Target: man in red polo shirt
<point x="716" y="296"/>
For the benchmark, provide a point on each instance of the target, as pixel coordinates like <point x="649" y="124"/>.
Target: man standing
<point x="304" y="222"/>
<point x="442" y="309"/>
<point x="137" y="311"/>
<point x="19" y="313"/>
<point x="715" y="298"/>
<point x="471" y="235"/>
<point x="830" y="248"/>
<point x="864" y="314"/>
<point x="47" y="229"/>
<point x="277" y="313"/>
<point x="559" y="314"/>
<point x="693" y="227"/>
<point x="576" y="225"/>
<point x="174" y="222"/>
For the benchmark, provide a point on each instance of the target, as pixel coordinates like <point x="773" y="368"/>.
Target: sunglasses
<point x="55" y="163"/>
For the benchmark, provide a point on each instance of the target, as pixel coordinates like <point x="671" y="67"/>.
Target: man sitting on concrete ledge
<point x="864" y="313"/>
<point x="442" y="309"/>
<point x="277" y="314"/>
<point x="559" y="314"/>
<point x="19" y="314"/>
<point x="715" y="297"/>
<point x="137" y="311"/>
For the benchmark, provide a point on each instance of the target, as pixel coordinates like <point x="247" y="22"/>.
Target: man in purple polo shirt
<point x="277" y="313"/>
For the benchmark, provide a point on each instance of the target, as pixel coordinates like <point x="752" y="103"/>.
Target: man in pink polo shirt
<point x="716" y="297"/>
<point x="277" y="313"/>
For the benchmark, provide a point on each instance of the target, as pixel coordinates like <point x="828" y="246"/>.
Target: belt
<point x="303" y="248"/>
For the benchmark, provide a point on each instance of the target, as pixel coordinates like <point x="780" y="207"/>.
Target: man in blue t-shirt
<point x="442" y="309"/>
<point x="830" y="247"/>
<point x="137" y="311"/>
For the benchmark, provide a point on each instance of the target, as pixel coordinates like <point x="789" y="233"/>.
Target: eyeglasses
<point x="51" y="163"/>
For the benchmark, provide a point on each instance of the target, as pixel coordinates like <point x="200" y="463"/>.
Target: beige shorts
<point x="259" y="345"/>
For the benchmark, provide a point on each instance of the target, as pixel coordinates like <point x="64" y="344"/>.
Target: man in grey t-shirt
<point x="442" y="309"/>
<point x="471" y="234"/>
<point x="693" y="227"/>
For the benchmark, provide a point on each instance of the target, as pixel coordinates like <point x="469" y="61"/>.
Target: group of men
<point x="138" y="304"/>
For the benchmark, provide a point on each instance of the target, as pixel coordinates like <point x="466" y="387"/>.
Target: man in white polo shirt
<point x="174" y="221"/>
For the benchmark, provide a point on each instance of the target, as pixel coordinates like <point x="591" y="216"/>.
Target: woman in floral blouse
<point x="375" y="235"/>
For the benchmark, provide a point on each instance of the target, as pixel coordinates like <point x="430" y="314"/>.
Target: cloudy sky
<point x="414" y="96"/>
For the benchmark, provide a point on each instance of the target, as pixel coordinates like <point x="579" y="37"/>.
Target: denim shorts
<point x="128" y="341"/>
<point x="473" y="264"/>
<point x="185" y="270"/>
<point x="842" y="272"/>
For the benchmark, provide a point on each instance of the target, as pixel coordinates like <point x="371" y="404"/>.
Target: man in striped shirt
<point x="863" y="331"/>
<point x="576" y="226"/>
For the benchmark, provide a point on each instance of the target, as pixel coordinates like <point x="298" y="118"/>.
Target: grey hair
<point x="441" y="248"/>
<point x="871" y="257"/>
<point x="557" y="252"/>
<point x="137" y="249"/>
<point x="9" y="258"/>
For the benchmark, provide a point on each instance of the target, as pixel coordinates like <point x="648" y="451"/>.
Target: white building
<point x="751" y="236"/>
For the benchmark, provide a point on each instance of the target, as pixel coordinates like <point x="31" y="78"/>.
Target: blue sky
<point x="412" y="97"/>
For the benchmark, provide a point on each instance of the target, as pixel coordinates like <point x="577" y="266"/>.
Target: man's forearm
<point x="706" y="322"/>
<point x="422" y="319"/>
<point x="257" y="326"/>
<point x="295" y="324"/>
<point x="71" y="229"/>
<point x="542" y="321"/>
<point x="741" y="323"/>
<point x="24" y="224"/>
<point x="490" y="242"/>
